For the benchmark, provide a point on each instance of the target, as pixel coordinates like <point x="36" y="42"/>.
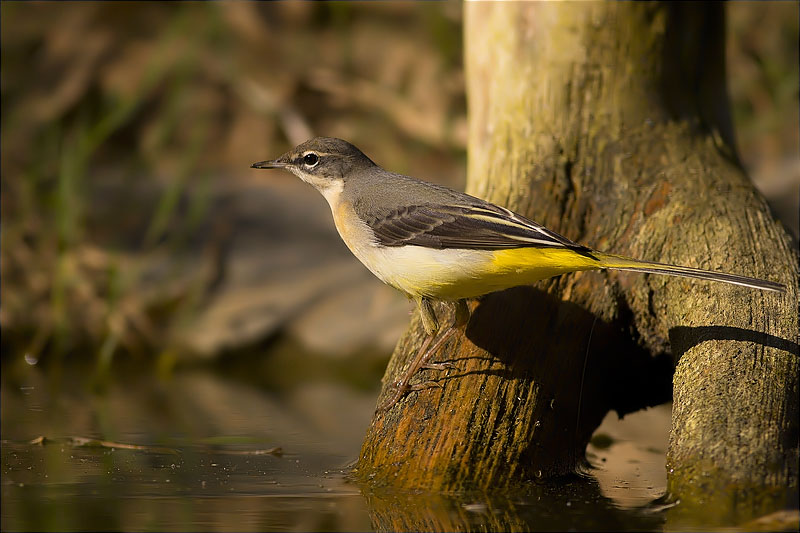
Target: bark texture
<point x="608" y="122"/>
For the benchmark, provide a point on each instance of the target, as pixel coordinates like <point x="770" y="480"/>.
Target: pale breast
<point x="448" y="274"/>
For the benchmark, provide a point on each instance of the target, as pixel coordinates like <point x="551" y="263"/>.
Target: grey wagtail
<point x="436" y="244"/>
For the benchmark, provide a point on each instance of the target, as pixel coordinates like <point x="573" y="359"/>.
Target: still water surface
<point x="199" y="451"/>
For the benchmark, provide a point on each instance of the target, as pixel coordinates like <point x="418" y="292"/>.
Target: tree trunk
<point x="607" y="122"/>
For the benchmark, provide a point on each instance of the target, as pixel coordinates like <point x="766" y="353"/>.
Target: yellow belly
<point x="452" y="274"/>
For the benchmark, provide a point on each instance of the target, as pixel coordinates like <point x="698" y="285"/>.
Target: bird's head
<point x="324" y="162"/>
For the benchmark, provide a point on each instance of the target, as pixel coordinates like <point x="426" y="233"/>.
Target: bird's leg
<point x="460" y="319"/>
<point x="431" y="326"/>
<point x="430" y="323"/>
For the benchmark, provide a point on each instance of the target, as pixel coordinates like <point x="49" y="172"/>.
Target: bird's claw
<point x="405" y="388"/>
<point x="426" y="385"/>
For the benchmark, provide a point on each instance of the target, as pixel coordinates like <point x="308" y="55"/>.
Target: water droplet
<point x="31" y="359"/>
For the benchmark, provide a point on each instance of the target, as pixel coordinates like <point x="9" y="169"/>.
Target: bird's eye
<point x="311" y="159"/>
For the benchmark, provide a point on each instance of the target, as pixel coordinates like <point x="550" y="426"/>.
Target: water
<point x="200" y="449"/>
<point x="67" y="488"/>
<point x="61" y="487"/>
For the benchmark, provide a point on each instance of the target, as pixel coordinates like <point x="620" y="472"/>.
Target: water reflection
<point x="61" y="487"/>
<point x="198" y="450"/>
<point x="574" y="504"/>
<point x="56" y="487"/>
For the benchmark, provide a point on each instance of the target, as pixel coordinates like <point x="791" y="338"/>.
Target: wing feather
<point x="478" y="227"/>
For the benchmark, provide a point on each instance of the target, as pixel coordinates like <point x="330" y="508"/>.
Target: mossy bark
<point x="608" y="123"/>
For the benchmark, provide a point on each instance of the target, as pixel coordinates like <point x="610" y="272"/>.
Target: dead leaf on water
<point x="85" y="442"/>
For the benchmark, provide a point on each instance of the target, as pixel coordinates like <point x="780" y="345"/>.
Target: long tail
<point x="619" y="262"/>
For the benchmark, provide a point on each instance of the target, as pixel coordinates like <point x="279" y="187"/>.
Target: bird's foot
<point x="420" y="361"/>
<point x="405" y="388"/>
<point x="425" y="353"/>
<point x="394" y="398"/>
<point x="425" y="385"/>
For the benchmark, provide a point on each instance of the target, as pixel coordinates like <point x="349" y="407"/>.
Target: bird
<point x="436" y="244"/>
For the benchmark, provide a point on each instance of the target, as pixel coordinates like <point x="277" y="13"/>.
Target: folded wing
<point x="477" y="227"/>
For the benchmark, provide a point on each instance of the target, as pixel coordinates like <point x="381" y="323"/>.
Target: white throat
<point x="330" y="189"/>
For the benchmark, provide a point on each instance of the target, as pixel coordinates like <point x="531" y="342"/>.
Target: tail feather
<point x="619" y="262"/>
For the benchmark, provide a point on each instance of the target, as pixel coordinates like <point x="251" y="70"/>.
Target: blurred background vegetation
<point x="123" y="124"/>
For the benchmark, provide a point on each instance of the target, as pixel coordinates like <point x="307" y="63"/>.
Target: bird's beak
<point x="269" y="164"/>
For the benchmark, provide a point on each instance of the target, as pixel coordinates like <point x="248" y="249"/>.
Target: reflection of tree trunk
<point x="608" y="122"/>
<point x="539" y="507"/>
